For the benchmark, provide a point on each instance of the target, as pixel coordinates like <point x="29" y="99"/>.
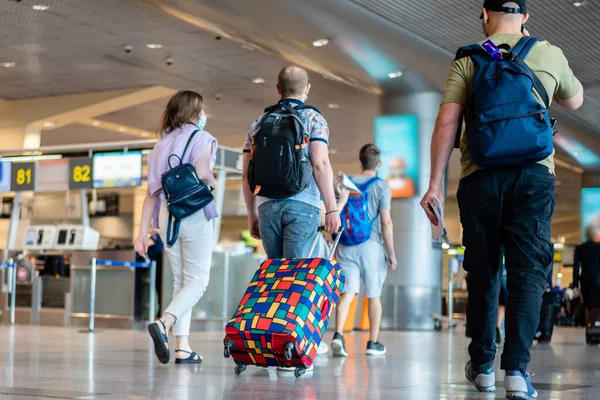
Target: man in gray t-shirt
<point x="368" y="260"/>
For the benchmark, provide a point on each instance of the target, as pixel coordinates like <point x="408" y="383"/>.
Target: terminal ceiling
<point x="76" y="46"/>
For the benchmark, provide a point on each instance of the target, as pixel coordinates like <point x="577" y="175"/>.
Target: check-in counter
<point x="60" y="295"/>
<point x="115" y="289"/>
<point x="42" y="286"/>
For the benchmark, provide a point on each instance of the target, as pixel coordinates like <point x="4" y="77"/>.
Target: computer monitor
<point x="117" y="169"/>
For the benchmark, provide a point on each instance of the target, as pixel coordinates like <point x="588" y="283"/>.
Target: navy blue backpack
<point x="355" y="216"/>
<point x="505" y="124"/>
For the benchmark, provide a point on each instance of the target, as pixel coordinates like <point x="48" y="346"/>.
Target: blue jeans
<point x="288" y="228"/>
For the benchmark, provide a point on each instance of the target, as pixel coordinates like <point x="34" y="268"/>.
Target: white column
<point x="416" y="285"/>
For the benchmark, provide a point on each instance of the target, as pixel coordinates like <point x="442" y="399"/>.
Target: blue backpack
<point x="355" y="216"/>
<point x="505" y="124"/>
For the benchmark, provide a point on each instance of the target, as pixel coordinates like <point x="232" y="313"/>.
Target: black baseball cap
<point x="498" y="5"/>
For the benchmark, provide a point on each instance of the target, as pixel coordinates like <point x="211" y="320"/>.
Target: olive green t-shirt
<point x="547" y="62"/>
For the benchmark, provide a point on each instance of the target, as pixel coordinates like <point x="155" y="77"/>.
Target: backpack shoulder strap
<point x="479" y="57"/>
<point x="308" y="107"/>
<point x="365" y="186"/>
<point x="521" y="50"/>
<point x="371" y="182"/>
<point x="188" y="142"/>
<point x="180" y="158"/>
<point x="524" y="46"/>
<point x="172" y="230"/>
<point x="365" y="190"/>
<point x="272" y="108"/>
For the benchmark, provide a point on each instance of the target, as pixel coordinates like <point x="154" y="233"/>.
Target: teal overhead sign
<point x="590" y="209"/>
<point x="398" y="138"/>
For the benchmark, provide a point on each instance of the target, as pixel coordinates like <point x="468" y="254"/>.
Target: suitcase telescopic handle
<point x="335" y="243"/>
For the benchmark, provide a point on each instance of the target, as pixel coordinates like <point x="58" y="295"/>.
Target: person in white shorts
<point x="368" y="260"/>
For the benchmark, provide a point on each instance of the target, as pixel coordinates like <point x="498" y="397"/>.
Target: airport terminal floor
<point x="188" y="167"/>
<point x="120" y="364"/>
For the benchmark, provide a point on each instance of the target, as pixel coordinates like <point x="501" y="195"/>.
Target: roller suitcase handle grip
<point x="335" y="243"/>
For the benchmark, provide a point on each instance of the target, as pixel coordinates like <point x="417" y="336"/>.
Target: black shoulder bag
<point x="184" y="192"/>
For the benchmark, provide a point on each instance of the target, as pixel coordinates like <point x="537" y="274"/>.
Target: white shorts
<point x="366" y="261"/>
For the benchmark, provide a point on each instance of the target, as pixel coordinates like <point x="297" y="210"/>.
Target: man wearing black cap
<point x="504" y="202"/>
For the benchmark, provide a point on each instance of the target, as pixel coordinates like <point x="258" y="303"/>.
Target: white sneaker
<point x="518" y="386"/>
<point x="484" y="381"/>
<point x="323" y="349"/>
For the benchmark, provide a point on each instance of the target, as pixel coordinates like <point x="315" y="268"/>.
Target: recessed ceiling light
<point x="145" y="134"/>
<point x="122" y="129"/>
<point x="154" y="46"/>
<point x="321" y="42"/>
<point x="396" y="74"/>
<point x="333" y="151"/>
<point x="577" y="3"/>
<point x="95" y="123"/>
<point x="333" y="105"/>
<point x="48" y="124"/>
<point x="40" y="7"/>
<point x="258" y="80"/>
<point x="8" y="64"/>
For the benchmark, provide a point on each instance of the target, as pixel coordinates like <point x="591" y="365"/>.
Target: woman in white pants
<point x="190" y="256"/>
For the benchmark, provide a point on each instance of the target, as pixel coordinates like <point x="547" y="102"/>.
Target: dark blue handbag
<point x="184" y="192"/>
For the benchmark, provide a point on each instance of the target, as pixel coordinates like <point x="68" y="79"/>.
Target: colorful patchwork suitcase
<point x="284" y="313"/>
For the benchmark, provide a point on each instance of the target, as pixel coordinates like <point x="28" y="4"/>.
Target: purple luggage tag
<point x="492" y="50"/>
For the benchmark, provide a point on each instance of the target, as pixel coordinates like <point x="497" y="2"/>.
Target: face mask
<point x="305" y="95"/>
<point x="201" y="124"/>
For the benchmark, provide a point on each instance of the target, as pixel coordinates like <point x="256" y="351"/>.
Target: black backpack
<point x="280" y="165"/>
<point x="184" y="192"/>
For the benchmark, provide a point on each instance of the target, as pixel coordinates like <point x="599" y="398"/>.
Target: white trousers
<point x="190" y="259"/>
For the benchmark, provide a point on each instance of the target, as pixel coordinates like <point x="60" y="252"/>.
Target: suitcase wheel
<point x="298" y="372"/>
<point x="239" y="368"/>
<point x="288" y="351"/>
<point x="227" y="347"/>
<point x="437" y="325"/>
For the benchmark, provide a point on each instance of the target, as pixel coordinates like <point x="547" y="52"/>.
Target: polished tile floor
<point x="60" y="363"/>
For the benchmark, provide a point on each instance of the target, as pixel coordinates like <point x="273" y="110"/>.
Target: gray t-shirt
<point x="380" y="198"/>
